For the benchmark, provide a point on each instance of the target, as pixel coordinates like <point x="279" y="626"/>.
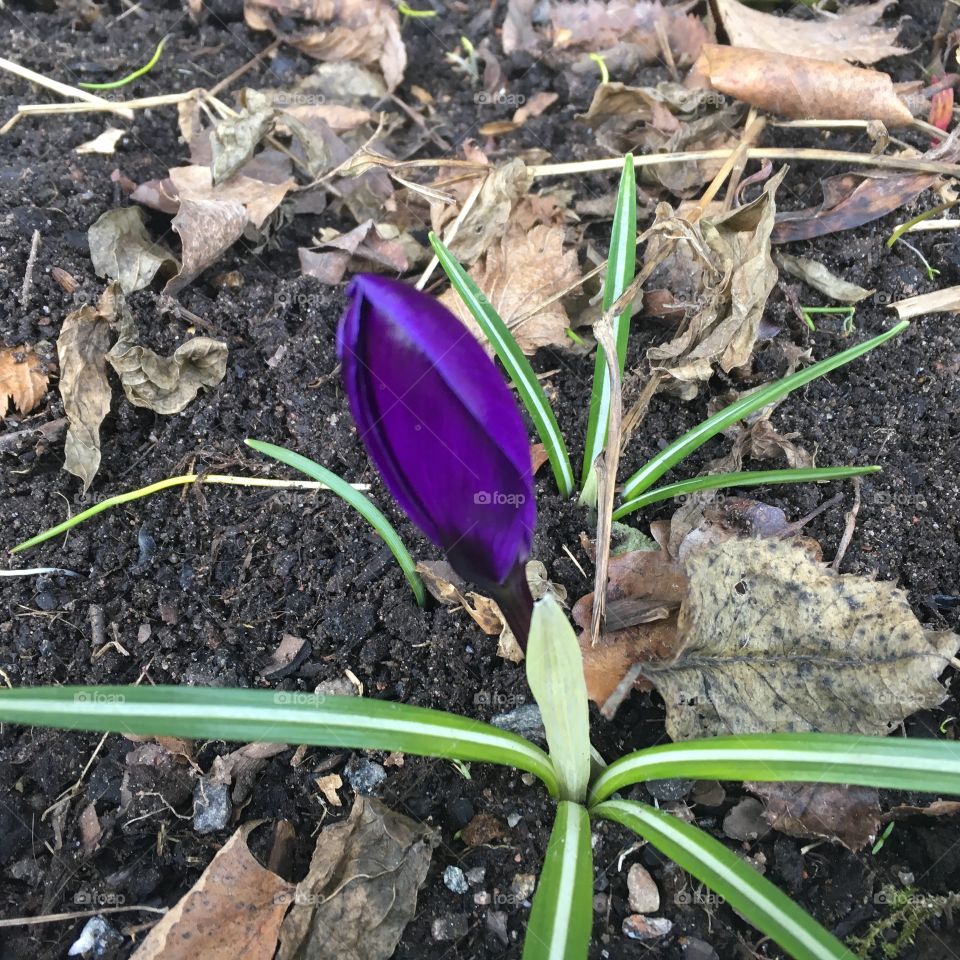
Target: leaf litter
<point x="23" y="379"/>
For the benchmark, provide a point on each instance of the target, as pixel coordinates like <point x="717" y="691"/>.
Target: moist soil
<point x="199" y="586"/>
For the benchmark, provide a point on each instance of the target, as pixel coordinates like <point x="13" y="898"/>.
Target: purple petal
<point x="440" y="424"/>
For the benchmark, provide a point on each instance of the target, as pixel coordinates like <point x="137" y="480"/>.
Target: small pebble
<point x="341" y="687"/>
<point x="513" y="819"/>
<point x="638" y="927"/>
<point x="643" y="895"/>
<point x="497" y="925"/>
<point x="482" y="898"/>
<point x="455" y="880"/>
<point x="745" y="821"/>
<point x="211" y="806"/>
<point x="694" y="949"/>
<point x="523" y="886"/>
<point x="476" y="876"/>
<point x="96" y="939"/>
<point x="669" y="789"/>
<point x="461" y="812"/>
<point x="365" y="776"/>
<point x="600" y="903"/>
<point x="453" y="926"/>
<point x="708" y="793"/>
<point x="45" y="600"/>
<point x="524" y="721"/>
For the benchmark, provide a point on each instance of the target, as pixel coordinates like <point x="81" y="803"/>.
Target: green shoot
<point x="748" y="478"/>
<point x="682" y="447"/>
<point x="602" y="64"/>
<point x="562" y="912"/>
<point x="363" y="505"/>
<point x="910" y="224"/>
<point x="575" y="337"/>
<point x="621" y="267"/>
<point x="555" y="675"/>
<point x="809" y="312"/>
<point x="515" y="363"/>
<point x="130" y="77"/>
<point x="931" y="272"/>
<point x="152" y="488"/>
<point x="882" y="839"/>
<point x="407" y="11"/>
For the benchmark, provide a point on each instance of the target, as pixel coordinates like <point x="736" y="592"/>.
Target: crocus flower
<point x="444" y="432"/>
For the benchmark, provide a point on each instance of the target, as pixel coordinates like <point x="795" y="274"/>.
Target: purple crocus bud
<point x="444" y="432"/>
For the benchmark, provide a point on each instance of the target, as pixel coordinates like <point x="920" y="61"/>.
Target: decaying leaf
<point x="242" y="766"/>
<point x="234" y="139"/>
<point x="361" y="889"/>
<point x="728" y="258"/>
<point x="367" y="31"/>
<point x="234" y="909"/>
<point x="164" y="384"/>
<point x="106" y="143"/>
<point x="771" y="641"/>
<point x="121" y="250"/>
<point x="816" y="275"/>
<point x="361" y="248"/>
<point x="524" y="269"/>
<point x="206" y="229"/>
<point x="850" y="34"/>
<point x="822" y="811"/>
<point x="23" y="379"/>
<point x="802" y="87"/>
<point x="82" y="351"/>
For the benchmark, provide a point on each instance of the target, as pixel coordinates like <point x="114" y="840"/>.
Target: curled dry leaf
<point x="365" y="31"/>
<point x="23" y="379"/>
<point x="361" y="248"/>
<point x="361" y="889"/>
<point x="106" y="143"/>
<point x="234" y="139"/>
<point x="822" y="811"/>
<point x="801" y="87"/>
<point x="816" y="275"/>
<point x="234" y="909"/>
<point x="522" y="270"/>
<point x="772" y="641"/>
<point x="850" y="34"/>
<point x="121" y="250"/>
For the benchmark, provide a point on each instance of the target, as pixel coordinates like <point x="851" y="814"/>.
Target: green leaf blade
<point x="745" y="478"/>
<point x="562" y="913"/>
<point x="894" y="763"/>
<point x="621" y="269"/>
<point x="514" y="362"/>
<point x="363" y="505"/>
<point x="682" y="447"/>
<point x="555" y="675"/>
<point x="754" y="897"/>
<point x="292" y="717"/>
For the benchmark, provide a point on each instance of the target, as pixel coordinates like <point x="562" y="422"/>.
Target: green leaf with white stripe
<point x="555" y="674"/>
<point x="682" y="447"/>
<point x="562" y="913"/>
<point x="621" y="268"/>
<point x="363" y="505"/>
<point x="213" y="713"/>
<point x="894" y="763"/>
<point x="755" y="898"/>
<point x="514" y="362"/>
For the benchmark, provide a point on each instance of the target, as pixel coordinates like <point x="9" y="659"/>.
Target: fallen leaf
<point x="366" y="31"/>
<point x="23" y="379"/>
<point x="822" y="811"/>
<point x="483" y="829"/>
<point x="801" y="87"/>
<point x="816" y="275"/>
<point x="82" y="350"/>
<point x="233" y="140"/>
<point x="535" y="106"/>
<point x="290" y="652"/>
<point x="106" y="143"/>
<point x="206" y="229"/>
<point x="164" y="384"/>
<point x="328" y="786"/>
<point x="518" y="31"/>
<point x="939" y="808"/>
<point x="241" y="768"/>
<point x="234" y="909"/>
<point x="849" y="34"/>
<point x="524" y="269"/>
<point x="361" y="889"/>
<point x="771" y="641"/>
<point x="121" y="250"/>
<point x="359" y="249"/>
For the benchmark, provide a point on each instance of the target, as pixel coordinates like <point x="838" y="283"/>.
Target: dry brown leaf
<point x="773" y="642"/>
<point x="939" y="808"/>
<point x="121" y="250"/>
<point x="82" y="351"/>
<point x="366" y="31"/>
<point x="800" y="87"/>
<point x="817" y="276"/>
<point x="822" y="811"/>
<point x="361" y="889"/>
<point x="23" y="379"/>
<point x="329" y="785"/>
<point x="106" y="143"/>
<point x="359" y="249"/>
<point x="234" y="910"/>
<point x="233" y="140"/>
<point x="523" y="270"/>
<point x="849" y="34"/>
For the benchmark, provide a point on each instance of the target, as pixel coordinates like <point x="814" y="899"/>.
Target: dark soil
<point x="199" y="587"/>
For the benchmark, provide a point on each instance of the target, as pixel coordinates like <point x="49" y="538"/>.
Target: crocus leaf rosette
<point x="445" y="434"/>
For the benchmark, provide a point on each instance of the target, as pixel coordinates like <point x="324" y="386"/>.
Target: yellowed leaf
<point x="22" y="379"/>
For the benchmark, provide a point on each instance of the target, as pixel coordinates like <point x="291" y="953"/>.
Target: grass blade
<point x="166" y="484"/>
<point x="514" y="362"/>
<point x="747" y="478"/>
<point x="621" y="267"/>
<point x="755" y="898"/>
<point x="363" y="505"/>
<point x="555" y="675"/>
<point x="671" y="455"/>
<point x="562" y="913"/>
<point x="894" y="763"/>
<point x="214" y="713"/>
